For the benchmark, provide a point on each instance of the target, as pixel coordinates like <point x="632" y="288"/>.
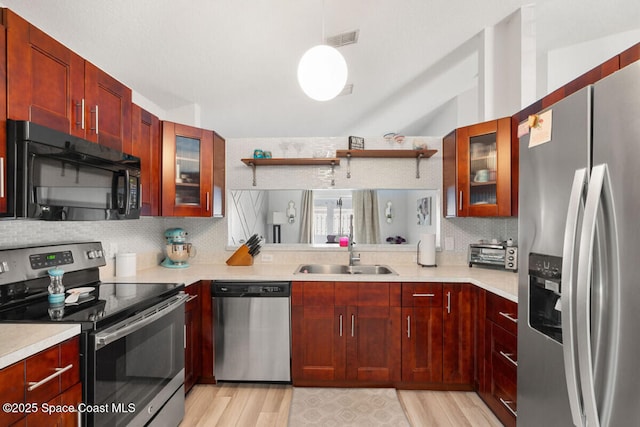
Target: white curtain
<point x="306" y="216"/>
<point x="366" y="221"/>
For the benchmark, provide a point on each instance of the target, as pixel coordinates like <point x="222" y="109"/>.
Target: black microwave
<point x="56" y="176"/>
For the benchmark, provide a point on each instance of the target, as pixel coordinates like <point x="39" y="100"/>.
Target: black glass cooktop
<point x="106" y="304"/>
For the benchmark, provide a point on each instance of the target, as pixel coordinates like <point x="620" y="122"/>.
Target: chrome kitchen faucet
<point x="353" y="259"/>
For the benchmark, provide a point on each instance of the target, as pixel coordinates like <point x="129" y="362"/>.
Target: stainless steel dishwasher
<point x="252" y="331"/>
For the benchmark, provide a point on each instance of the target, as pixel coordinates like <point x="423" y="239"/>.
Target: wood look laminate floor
<point x="231" y="404"/>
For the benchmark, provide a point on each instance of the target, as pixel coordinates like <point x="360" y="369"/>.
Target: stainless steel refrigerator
<point x="579" y="268"/>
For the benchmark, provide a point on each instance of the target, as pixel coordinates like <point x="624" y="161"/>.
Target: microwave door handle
<point x="568" y="294"/>
<point x="30" y="184"/>
<point x="127" y="193"/>
<point x="2" y="181"/>
<point x="122" y="209"/>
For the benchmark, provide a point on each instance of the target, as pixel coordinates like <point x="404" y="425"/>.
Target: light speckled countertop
<point x="503" y="283"/>
<point x="18" y="341"/>
<point x="21" y="340"/>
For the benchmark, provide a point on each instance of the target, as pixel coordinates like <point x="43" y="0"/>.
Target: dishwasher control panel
<point x="250" y="289"/>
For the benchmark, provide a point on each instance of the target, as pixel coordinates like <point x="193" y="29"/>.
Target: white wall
<point x="366" y="173"/>
<point x="514" y="68"/>
<point x="146" y="236"/>
<point x="148" y="105"/>
<point x="564" y="65"/>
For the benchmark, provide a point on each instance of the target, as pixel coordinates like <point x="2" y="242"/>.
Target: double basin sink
<point x="344" y="269"/>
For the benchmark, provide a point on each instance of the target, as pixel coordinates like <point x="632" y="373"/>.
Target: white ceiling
<point x="236" y="59"/>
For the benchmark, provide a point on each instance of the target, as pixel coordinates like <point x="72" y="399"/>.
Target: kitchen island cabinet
<point x="51" y="85"/>
<point x="345" y="333"/>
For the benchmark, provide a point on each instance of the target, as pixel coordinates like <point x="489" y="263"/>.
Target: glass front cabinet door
<point x="482" y="166"/>
<point x="187" y="170"/>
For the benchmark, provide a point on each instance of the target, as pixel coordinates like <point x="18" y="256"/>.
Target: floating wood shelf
<point x="412" y="154"/>
<point x="312" y="161"/>
<point x="303" y="161"/>
<point x="396" y="154"/>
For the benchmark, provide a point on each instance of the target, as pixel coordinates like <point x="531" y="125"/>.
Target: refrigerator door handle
<point x="599" y="189"/>
<point x="568" y="292"/>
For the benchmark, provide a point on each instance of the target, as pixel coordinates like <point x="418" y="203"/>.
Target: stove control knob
<point x="4" y="266"/>
<point x="92" y="317"/>
<point x="100" y="314"/>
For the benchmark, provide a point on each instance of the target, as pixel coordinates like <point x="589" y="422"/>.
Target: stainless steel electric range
<point x="132" y="339"/>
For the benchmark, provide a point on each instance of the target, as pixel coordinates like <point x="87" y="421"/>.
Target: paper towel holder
<point x="418" y="257"/>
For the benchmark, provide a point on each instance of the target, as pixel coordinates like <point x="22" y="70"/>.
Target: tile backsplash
<point x="146" y="235"/>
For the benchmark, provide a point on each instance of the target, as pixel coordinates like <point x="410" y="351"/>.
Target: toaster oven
<point x="493" y="255"/>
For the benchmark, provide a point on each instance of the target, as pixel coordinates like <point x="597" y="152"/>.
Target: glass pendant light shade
<point x="322" y="72"/>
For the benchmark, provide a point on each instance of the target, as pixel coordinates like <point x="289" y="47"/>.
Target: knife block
<point x="241" y="257"/>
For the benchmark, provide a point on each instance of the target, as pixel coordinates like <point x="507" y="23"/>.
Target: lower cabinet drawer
<point x="504" y="347"/>
<point x="504" y="390"/>
<point x="500" y="364"/>
<point x="502" y="312"/>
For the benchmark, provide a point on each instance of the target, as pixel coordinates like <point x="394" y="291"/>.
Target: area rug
<point x="346" y="407"/>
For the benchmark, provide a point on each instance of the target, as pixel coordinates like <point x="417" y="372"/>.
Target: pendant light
<point x="322" y="71"/>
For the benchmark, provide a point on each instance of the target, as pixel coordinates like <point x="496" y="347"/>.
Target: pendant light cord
<point x="322" y="41"/>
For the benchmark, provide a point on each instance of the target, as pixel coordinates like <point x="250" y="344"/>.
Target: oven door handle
<point x="141" y="320"/>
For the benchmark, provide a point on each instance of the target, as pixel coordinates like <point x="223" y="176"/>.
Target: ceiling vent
<point x="343" y="39"/>
<point x="347" y="90"/>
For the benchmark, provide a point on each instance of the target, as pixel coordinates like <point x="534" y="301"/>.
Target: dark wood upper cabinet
<point x="107" y="109"/>
<point x="219" y="174"/>
<point x="486" y="170"/>
<point x="449" y="175"/>
<point x="51" y="85"/>
<point x="45" y="78"/>
<point x="146" y="144"/>
<point x="187" y="170"/>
